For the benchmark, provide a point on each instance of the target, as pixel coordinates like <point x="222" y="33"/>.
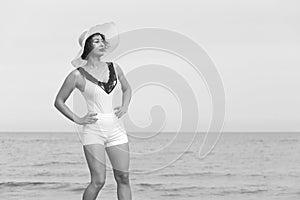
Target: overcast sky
<point x="254" y="45"/>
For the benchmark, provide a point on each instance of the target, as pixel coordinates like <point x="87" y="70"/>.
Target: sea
<point x="163" y="166"/>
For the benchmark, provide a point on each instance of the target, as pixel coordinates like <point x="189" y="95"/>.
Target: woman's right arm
<point x="63" y="94"/>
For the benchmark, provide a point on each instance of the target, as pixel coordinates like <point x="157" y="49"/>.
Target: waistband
<point x="101" y="115"/>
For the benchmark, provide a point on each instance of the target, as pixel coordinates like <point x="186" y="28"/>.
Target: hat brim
<point x="109" y="30"/>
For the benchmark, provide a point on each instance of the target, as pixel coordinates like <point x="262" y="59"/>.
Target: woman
<point x="101" y="127"/>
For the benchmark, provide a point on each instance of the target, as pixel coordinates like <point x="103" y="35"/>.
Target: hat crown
<point x="81" y="38"/>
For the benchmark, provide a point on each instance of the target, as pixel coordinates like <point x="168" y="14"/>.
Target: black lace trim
<point x="109" y="85"/>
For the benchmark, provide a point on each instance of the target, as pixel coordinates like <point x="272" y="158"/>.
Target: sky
<point x="254" y="46"/>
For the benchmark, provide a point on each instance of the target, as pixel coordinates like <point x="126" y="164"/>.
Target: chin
<point x="98" y="54"/>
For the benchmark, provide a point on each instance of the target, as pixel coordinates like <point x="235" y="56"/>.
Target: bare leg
<point x="119" y="158"/>
<point x="95" y="156"/>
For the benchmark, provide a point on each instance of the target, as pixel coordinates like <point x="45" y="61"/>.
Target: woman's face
<point x="98" y="45"/>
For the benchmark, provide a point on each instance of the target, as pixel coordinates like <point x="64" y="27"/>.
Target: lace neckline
<point x="106" y="86"/>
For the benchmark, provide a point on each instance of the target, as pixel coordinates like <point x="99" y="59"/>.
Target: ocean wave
<point x="198" y="174"/>
<point x="180" y="188"/>
<point x="241" y="191"/>
<point x="256" y="140"/>
<point x="149" y="185"/>
<point x="289" y="140"/>
<point x="25" y="141"/>
<point x="22" y="184"/>
<point x="223" y="174"/>
<point x="77" y="189"/>
<point x="173" y="195"/>
<point x="57" y="163"/>
<point x="73" y="186"/>
<point x="220" y="191"/>
<point x="256" y="175"/>
<point x="51" y="173"/>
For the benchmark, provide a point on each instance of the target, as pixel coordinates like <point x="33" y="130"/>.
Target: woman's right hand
<point x="88" y="119"/>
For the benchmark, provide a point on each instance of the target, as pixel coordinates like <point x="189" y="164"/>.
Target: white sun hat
<point x="109" y="30"/>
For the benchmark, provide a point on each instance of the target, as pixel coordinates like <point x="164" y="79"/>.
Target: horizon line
<point x="256" y="131"/>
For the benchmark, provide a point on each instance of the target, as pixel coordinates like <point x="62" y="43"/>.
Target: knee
<point x="122" y="177"/>
<point x="98" y="183"/>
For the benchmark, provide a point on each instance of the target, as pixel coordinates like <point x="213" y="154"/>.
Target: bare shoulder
<point x="74" y="74"/>
<point x="69" y="84"/>
<point x="74" y="77"/>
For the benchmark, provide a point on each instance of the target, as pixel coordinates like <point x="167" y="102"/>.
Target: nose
<point x="102" y="45"/>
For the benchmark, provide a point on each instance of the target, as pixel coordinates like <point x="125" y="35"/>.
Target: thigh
<point x="95" y="156"/>
<point x="119" y="156"/>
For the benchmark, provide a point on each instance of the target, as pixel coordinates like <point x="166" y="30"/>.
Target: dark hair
<point x="88" y="46"/>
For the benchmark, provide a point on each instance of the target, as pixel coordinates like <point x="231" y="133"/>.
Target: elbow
<point x="57" y="103"/>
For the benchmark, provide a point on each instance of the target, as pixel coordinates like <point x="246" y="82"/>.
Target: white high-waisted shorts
<point x="108" y="130"/>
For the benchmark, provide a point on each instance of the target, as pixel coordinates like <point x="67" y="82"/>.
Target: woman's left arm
<point x="126" y="89"/>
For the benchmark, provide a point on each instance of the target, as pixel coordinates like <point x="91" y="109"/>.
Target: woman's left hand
<point x="120" y="111"/>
